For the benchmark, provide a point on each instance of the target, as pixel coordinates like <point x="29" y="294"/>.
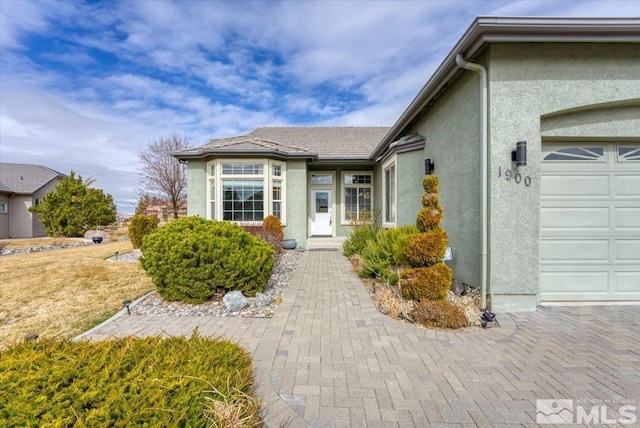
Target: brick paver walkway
<point x="328" y="358"/>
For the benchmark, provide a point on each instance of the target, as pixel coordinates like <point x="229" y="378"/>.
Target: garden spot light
<point x="126" y="304"/>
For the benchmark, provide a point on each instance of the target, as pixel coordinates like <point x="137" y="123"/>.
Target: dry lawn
<point x="61" y="293"/>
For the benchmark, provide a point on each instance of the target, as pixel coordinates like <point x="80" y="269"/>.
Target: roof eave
<point x="200" y="154"/>
<point x="491" y="29"/>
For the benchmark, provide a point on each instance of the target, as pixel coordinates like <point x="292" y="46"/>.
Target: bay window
<point x="246" y="191"/>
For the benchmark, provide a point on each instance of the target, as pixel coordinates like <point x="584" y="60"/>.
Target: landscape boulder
<point x="234" y="301"/>
<point x="262" y="300"/>
<point x="457" y="287"/>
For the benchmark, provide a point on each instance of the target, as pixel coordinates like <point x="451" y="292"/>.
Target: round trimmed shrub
<point x="190" y="258"/>
<point x="428" y="218"/>
<point x="438" y="314"/>
<point x="427" y="248"/>
<point x="427" y="283"/>
<point x="431" y="184"/>
<point x="140" y="226"/>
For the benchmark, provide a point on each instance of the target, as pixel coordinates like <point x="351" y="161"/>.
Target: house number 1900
<point x="517" y="177"/>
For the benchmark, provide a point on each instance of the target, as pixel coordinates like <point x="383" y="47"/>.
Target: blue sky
<point x="85" y="85"/>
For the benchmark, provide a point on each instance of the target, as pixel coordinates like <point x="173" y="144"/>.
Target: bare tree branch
<point x="162" y="176"/>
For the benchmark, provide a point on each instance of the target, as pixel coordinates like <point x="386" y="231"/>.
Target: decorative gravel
<point x="277" y="285"/>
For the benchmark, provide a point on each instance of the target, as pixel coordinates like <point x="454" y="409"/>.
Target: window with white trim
<point x="246" y="191"/>
<point x="357" y="196"/>
<point x="389" y="193"/>
<point x="212" y="191"/>
<point x="3" y="207"/>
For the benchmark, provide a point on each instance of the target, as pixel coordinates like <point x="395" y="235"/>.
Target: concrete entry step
<point x="325" y="243"/>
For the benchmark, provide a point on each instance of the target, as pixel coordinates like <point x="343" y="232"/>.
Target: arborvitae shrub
<point x="273" y="225"/>
<point x="429" y="200"/>
<point x="189" y="258"/>
<point x="429" y="283"/>
<point x="427" y="248"/>
<point x="140" y="226"/>
<point x="428" y="218"/>
<point x="438" y="314"/>
<point x="431" y="184"/>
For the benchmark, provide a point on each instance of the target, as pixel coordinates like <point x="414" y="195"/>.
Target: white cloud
<point x="215" y="69"/>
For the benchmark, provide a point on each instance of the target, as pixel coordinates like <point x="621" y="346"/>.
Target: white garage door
<point x="590" y="222"/>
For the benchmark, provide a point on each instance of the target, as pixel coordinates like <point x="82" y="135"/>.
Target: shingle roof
<point x="323" y="143"/>
<point x="25" y="178"/>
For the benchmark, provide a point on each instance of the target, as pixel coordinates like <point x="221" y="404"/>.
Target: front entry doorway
<point x="321" y="213"/>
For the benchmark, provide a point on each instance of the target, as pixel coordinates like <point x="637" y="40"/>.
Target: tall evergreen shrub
<point x="431" y="278"/>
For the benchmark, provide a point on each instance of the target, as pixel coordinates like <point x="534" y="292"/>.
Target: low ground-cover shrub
<point x="190" y="258"/>
<point x="124" y="382"/>
<point x="438" y="314"/>
<point x="141" y="226"/>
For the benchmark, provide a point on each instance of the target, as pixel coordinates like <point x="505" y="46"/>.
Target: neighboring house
<point x="565" y="226"/>
<point x="22" y="186"/>
<point x="164" y="212"/>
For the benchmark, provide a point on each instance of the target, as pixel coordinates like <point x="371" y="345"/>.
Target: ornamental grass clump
<point x="431" y="278"/>
<point x="190" y="258"/>
<point x="155" y="382"/>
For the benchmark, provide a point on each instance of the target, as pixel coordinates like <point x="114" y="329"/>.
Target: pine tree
<point x="72" y="208"/>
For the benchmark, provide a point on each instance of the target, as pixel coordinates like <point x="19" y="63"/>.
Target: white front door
<point x="321" y="213"/>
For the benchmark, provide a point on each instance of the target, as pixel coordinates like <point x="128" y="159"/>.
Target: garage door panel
<point x="575" y="250"/>
<point x="590" y="227"/>
<point x="627" y="185"/>
<point x="627" y="282"/>
<point x="576" y="186"/>
<point x="575" y="218"/>
<point x="627" y="218"/>
<point x="627" y="250"/>
<point x="574" y="282"/>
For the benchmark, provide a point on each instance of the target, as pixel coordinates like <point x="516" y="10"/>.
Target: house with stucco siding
<point x="531" y="124"/>
<point x="21" y="187"/>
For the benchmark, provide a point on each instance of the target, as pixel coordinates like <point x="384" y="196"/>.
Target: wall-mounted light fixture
<point x="519" y="155"/>
<point x="429" y="167"/>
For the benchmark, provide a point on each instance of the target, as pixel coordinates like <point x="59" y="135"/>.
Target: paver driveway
<point x="328" y="358"/>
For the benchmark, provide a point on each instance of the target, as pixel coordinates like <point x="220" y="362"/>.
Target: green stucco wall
<point x="409" y="173"/>
<point x="296" y="203"/>
<point x="529" y="82"/>
<point x="197" y="187"/>
<point x="452" y="131"/>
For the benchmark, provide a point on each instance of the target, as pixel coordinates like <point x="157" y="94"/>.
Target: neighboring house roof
<point x="318" y="143"/>
<point x="25" y="178"/>
<point x="490" y="29"/>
